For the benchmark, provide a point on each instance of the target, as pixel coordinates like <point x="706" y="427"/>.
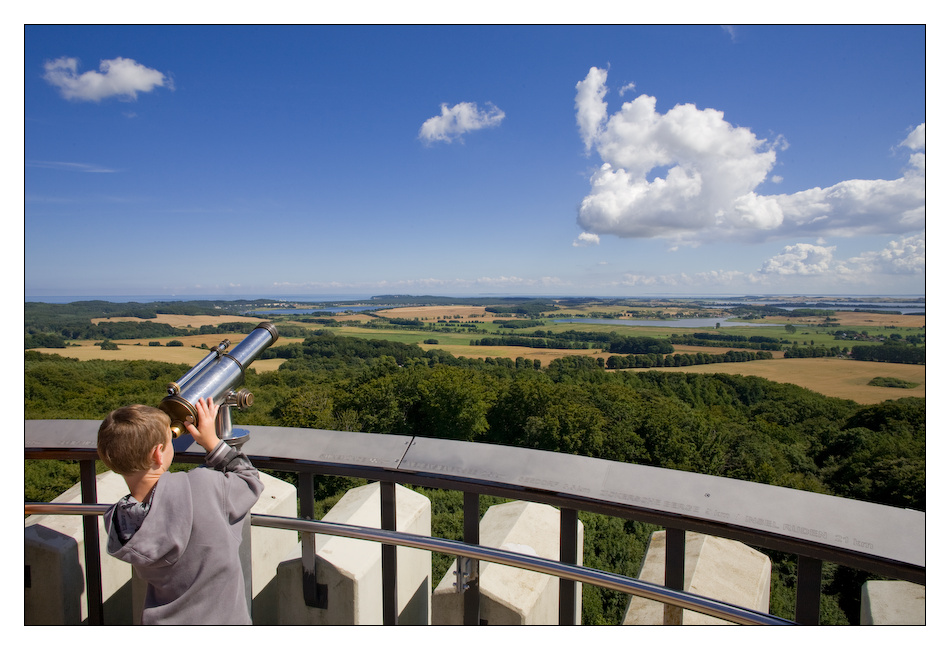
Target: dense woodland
<point x="727" y="425"/>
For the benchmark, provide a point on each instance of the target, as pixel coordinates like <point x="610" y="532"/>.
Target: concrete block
<point x="719" y="568"/>
<point x="56" y="564"/>
<point x="269" y="547"/>
<point x="512" y="596"/>
<point x="352" y="568"/>
<point x="893" y="602"/>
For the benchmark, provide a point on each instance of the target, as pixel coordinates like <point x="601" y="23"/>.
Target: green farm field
<point x="834" y="377"/>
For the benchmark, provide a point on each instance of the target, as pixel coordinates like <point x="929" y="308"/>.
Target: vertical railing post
<point x="313" y="595"/>
<point x="387" y="498"/>
<point x="567" y="603"/>
<point x="808" y="591"/>
<point x="90" y="532"/>
<point x="675" y="572"/>
<point x="472" y="595"/>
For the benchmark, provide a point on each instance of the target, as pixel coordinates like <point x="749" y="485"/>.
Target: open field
<point x="464" y="313"/>
<point x="184" y="320"/>
<point x="855" y="319"/>
<point x="140" y="350"/>
<point x="833" y="377"/>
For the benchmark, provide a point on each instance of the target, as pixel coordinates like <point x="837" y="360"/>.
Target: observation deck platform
<point x="818" y="528"/>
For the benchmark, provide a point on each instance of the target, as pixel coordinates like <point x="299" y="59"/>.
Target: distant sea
<point x="174" y="298"/>
<point x="894" y="303"/>
<point x="355" y="297"/>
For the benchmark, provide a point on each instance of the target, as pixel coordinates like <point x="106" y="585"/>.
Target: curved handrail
<point x="595" y="577"/>
<point x="817" y="527"/>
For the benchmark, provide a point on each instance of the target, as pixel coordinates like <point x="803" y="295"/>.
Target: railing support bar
<point x="472" y="598"/>
<point x="90" y="532"/>
<point x="567" y="601"/>
<point x="387" y="498"/>
<point x="808" y="593"/>
<point x="596" y="577"/>
<point x="675" y="572"/>
<point x="313" y="594"/>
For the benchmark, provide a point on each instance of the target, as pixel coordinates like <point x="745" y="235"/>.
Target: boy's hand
<point x="205" y="434"/>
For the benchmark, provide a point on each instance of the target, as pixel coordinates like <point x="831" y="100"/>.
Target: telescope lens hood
<point x="270" y="328"/>
<point x="180" y="411"/>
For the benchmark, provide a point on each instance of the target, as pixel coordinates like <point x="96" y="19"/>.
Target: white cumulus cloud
<point x="690" y="176"/>
<point x="453" y="122"/>
<point x="903" y="256"/>
<point x="906" y="256"/>
<point x="118" y="77"/>
<point x="917" y="139"/>
<point x="802" y="262"/>
<point x="801" y="259"/>
<point x="586" y="239"/>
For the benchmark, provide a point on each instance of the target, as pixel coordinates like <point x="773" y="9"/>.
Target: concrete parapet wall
<point x="719" y="568"/>
<point x="269" y="547"/>
<point x="512" y="596"/>
<point x="351" y="569"/>
<point x="56" y="564"/>
<point x="893" y="602"/>
<point x="54" y="555"/>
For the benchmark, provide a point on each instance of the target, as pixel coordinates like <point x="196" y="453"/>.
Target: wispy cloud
<point x="70" y="166"/>
<point x="690" y="176"/>
<point x="452" y="123"/>
<point x="119" y="77"/>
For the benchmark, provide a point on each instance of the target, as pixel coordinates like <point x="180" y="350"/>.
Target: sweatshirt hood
<point x="162" y="538"/>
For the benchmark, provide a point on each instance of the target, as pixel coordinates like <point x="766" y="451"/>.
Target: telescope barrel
<point x="215" y="377"/>
<point x="201" y="365"/>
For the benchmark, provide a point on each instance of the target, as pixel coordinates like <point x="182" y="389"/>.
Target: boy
<point x="180" y="530"/>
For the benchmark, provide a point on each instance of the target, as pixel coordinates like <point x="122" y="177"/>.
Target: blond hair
<point x="128" y="435"/>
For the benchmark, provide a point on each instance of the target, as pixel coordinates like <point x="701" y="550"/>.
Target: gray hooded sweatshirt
<point x="184" y="541"/>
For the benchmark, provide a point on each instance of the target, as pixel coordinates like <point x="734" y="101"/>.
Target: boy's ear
<point x="156" y="455"/>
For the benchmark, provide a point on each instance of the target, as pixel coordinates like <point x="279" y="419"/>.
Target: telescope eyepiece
<point x="241" y="399"/>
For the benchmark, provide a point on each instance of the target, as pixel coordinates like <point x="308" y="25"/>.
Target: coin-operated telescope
<point x="216" y="376"/>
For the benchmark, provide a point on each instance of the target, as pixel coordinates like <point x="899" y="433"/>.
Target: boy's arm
<point x="224" y="458"/>
<point x="242" y="480"/>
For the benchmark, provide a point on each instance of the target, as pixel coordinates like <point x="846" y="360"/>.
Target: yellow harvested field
<point x="834" y="377"/>
<point x="467" y="313"/>
<point x="183" y="320"/>
<point x="87" y="350"/>
<point x="855" y="319"/>
<point x="140" y="350"/>
<point x="358" y="316"/>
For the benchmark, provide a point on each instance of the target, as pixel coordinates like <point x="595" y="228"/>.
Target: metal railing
<point x="598" y="578"/>
<point x="818" y="528"/>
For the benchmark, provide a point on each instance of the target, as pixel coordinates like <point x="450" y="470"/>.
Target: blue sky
<point x="516" y="160"/>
